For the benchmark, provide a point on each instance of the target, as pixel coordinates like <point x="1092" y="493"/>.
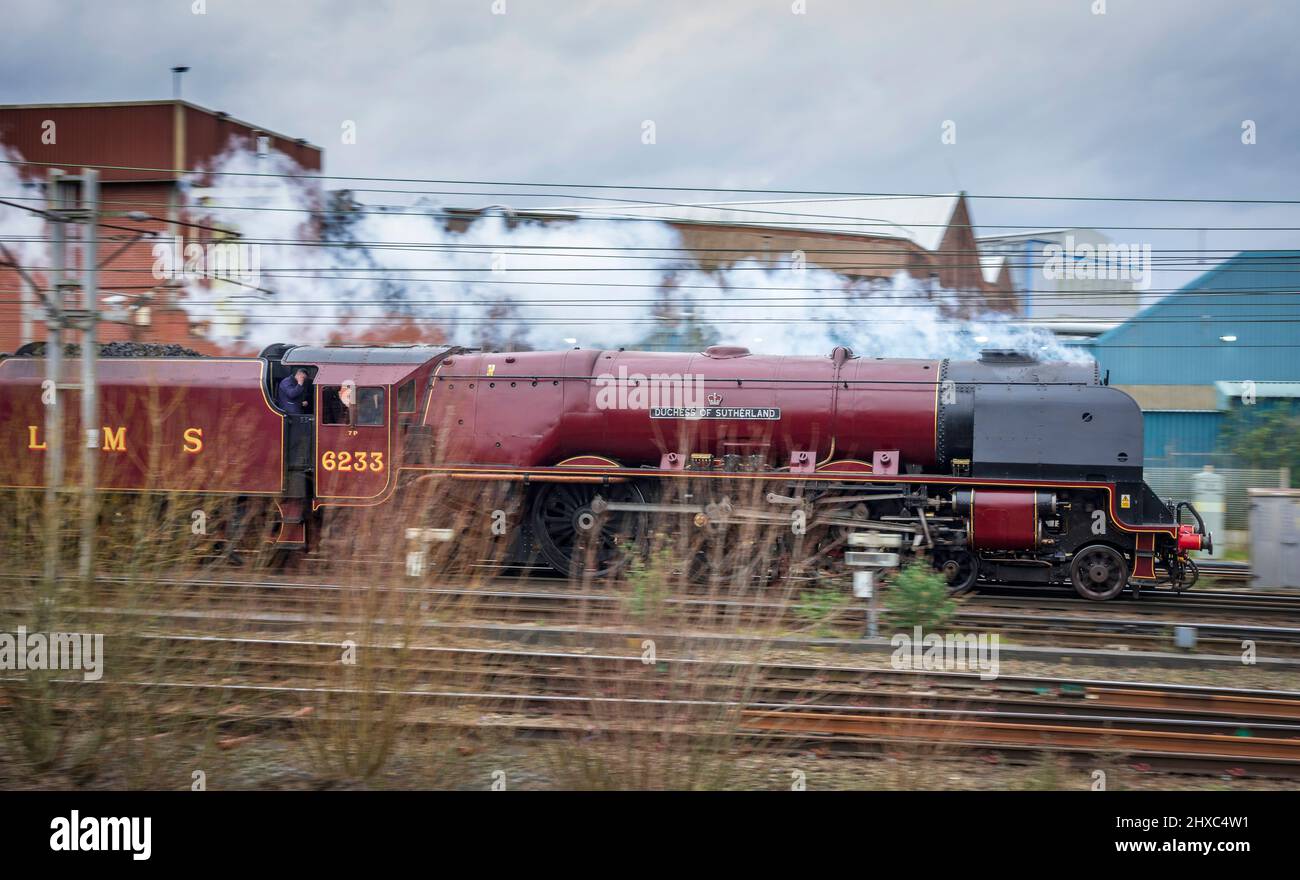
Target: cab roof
<point x="406" y="355"/>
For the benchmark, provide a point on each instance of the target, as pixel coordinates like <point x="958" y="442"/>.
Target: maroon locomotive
<point x="1003" y="468"/>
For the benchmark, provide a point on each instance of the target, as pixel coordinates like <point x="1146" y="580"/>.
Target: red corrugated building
<point x="142" y="148"/>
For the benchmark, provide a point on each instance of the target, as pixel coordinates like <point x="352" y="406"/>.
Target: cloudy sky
<point x="1145" y="99"/>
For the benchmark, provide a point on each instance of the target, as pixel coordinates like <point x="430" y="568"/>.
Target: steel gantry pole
<point x="89" y="364"/>
<point x="50" y="395"/>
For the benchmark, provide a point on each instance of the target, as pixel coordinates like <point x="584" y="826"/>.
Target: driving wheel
<point x="1099" y="572"/>
<point x="960" y="569"/>
<point x="581" y="539"/>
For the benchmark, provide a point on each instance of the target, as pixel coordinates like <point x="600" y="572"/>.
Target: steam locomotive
<point x="1004" y="468"/>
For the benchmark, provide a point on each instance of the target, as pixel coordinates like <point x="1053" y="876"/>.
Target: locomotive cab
<point x="364" y="404"/>
<point x="298" y="430"/>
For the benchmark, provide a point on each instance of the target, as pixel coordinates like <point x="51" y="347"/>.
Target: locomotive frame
<point x="971" y="462"/>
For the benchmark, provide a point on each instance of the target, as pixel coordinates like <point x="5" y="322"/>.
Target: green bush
<point x="918" y="596"/>
<point x="648" y="576"/>
<point x="821" y="606"/>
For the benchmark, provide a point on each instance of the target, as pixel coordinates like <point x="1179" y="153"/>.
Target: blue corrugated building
<point x="1237" y="325"/>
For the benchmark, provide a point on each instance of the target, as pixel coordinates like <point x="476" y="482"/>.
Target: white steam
<point x="21" y="231"/>
<point x="371" y="274"/>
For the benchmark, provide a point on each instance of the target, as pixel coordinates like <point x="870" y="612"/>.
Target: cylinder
<point x="1001" y="519"/>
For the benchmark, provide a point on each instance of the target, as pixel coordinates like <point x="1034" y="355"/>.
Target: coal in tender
<point x="116" y="350"/>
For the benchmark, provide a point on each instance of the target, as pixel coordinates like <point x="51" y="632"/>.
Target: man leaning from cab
<point x="291" y="394"/>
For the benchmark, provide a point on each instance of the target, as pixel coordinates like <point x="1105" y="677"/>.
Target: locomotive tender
<point x="1004" y="468"/>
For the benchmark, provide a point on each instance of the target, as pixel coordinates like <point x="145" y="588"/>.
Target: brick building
<point x="930" y="238"/>
<point x="142" y="149"/>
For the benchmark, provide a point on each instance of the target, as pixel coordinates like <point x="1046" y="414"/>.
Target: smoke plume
<point x="336" y="268"/>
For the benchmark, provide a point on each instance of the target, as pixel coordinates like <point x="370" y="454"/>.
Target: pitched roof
<point x="921" y="219"/>
<point x="1250" y="285"/>
<point x="1238" y="321"/>
<point x="991" y="265"/>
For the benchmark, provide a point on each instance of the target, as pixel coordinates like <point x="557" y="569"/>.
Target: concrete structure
<point x="143" y="149"/>
<point x="1076" y="281"/>
<point x="1275" y="537"/>
<point x="1209" y="494"/>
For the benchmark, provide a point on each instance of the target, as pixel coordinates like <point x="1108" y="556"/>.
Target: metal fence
<point x="1177" y="483"/>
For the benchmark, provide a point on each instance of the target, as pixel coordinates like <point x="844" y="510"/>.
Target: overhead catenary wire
<point x="813" y="226"/>
<point x="551" y="185"/>
<point x="1174" y="260"/>
<point x="397" y="319"/>
<point x="567" y="213"/>
<point x="726" y="296"/>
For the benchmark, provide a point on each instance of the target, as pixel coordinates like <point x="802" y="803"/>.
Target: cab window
<point x="333" y="411"/>
<point x="370" y="406"/>
<point x="337" y="404"/>
<point x="406" y="397"/>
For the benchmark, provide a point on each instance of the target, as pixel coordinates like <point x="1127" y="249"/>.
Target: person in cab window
<point x="335" y="400"/>
<point x="370" y="407"/>
<point x="291" y="394"/>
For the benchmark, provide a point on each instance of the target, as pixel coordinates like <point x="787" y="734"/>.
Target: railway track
<point x="546" y="589"/>
<point x="1219" y="603"/>
<point x="267" y="681"/>
<point x="1224" y="570"/>
<point x="776" y="680"/>
<point x="272" y="682"/>
<point x="1078" y="624"/>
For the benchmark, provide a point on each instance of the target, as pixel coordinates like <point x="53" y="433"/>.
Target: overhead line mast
<point x="72" y="200"/>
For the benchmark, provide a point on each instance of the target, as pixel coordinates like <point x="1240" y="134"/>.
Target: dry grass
<point x="361" y="699"/>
